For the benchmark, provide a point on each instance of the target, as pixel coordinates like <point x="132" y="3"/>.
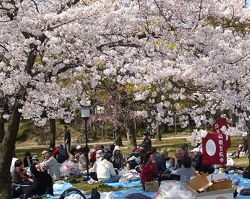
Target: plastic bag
<point x="68" y="168"/>
<point x="107" y="195"/>
<point x="172" y="190"/>
<point x="128" y="177"/>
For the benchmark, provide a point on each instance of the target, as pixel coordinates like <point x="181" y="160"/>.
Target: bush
<point x="21" y="135"/>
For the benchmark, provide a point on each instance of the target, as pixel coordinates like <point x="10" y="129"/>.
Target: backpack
<point x="71" y="191"/>
<point x="246" y="173"/>
<point x="95" y="194"/>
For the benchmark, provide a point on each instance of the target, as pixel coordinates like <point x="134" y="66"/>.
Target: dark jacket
<point x="146" y="144"/>
<point x="26" y="163"/>
<point x="61" y="154"/>
<point x="42" y="184"/>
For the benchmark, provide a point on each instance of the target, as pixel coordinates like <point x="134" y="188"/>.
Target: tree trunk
<point x="158" y="135"/>
<point x="52" y="123"/>
<point x="130" y="137"/>
<point x="117" y="137"/>
<point x="1" y="127"/>
<point x="7" y="149"/>
<point x="248" y="140"/>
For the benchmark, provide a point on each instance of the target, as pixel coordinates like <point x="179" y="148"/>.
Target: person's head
<point x="195" y="151"/>
<point x="47" y="155"/>
<point x="117" y="150"/>
<point x="112" y="147"/>
<point x="107" y="156"/>
<point x="186" y="161"/>
<point x="35" y="159"/>
<point x="99" y="154"/>
<point x="27" y="154"/>
<point x="184" y="147"/>
<point x="65" y="127"/>
<point x="145" y="135"/>
<point x="84" y="150"/>
<point x="74" y="150"/>
<point x="164" y="153"/>
<point x="43" y="154"/>
<point x="98" y="146"/>
<point x="18" y="163"/>
<point x="179" y="153"/>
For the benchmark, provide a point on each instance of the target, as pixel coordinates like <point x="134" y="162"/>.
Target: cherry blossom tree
<point x="180" y="57"/>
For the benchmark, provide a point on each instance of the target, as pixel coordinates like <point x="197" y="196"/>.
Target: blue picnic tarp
<point x="61" y="186"/>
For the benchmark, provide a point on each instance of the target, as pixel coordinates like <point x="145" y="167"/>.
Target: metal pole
<point x="87" y="156"/>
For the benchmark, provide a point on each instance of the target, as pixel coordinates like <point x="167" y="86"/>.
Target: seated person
<point x="176" y="162"/>
<point x="117" y="158"/>
<point x="184" y="147"/>
<point x="92" y="158"/>
<point x="51" y="165"/>
<point x="93" y="170"/>
<point x="162" y="168"/>
<point x="197" y="162"/>
<point x="105" y="170"/>
<point x="19" y="175"/>
<point x="42" y="183"/>
<point x="83" y="160"/>
<point x="27" y="159"/>
<point x="186" y="172"/>
<point x="146" y="143"/>
<point x="60" y="154"/>
<point x="148" y="169"/>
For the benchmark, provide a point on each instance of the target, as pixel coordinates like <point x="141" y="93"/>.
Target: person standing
<point x="67" y="138"/>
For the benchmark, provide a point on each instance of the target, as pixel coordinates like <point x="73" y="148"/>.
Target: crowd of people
<point x="103" y="164"/>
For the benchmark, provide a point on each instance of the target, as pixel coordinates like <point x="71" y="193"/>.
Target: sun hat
<point x="44" y="152"/>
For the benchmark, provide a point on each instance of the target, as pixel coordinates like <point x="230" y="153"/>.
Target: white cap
<point x="78" y="147"/>
<point x="117" y="148"/>
<point x="196" y="150"/>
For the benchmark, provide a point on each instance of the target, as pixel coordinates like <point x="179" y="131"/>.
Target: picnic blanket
<point x="60" y="186"/>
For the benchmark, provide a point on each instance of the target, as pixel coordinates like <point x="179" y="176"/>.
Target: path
<point x="20" y="146"/>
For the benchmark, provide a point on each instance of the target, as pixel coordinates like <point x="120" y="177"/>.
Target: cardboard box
<point x="199" y="183"/>
<point x="226" y="184"/>
<point x="217" y="194"/>
<point x="152" y="186"/>
<point x="202" y="188"/>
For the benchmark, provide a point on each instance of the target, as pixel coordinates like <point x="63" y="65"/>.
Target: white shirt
<point x="105" y="170"/>
<point x="13" y="164"/>
<point x="185" y="174"/>
<point x="53" y="168"/>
